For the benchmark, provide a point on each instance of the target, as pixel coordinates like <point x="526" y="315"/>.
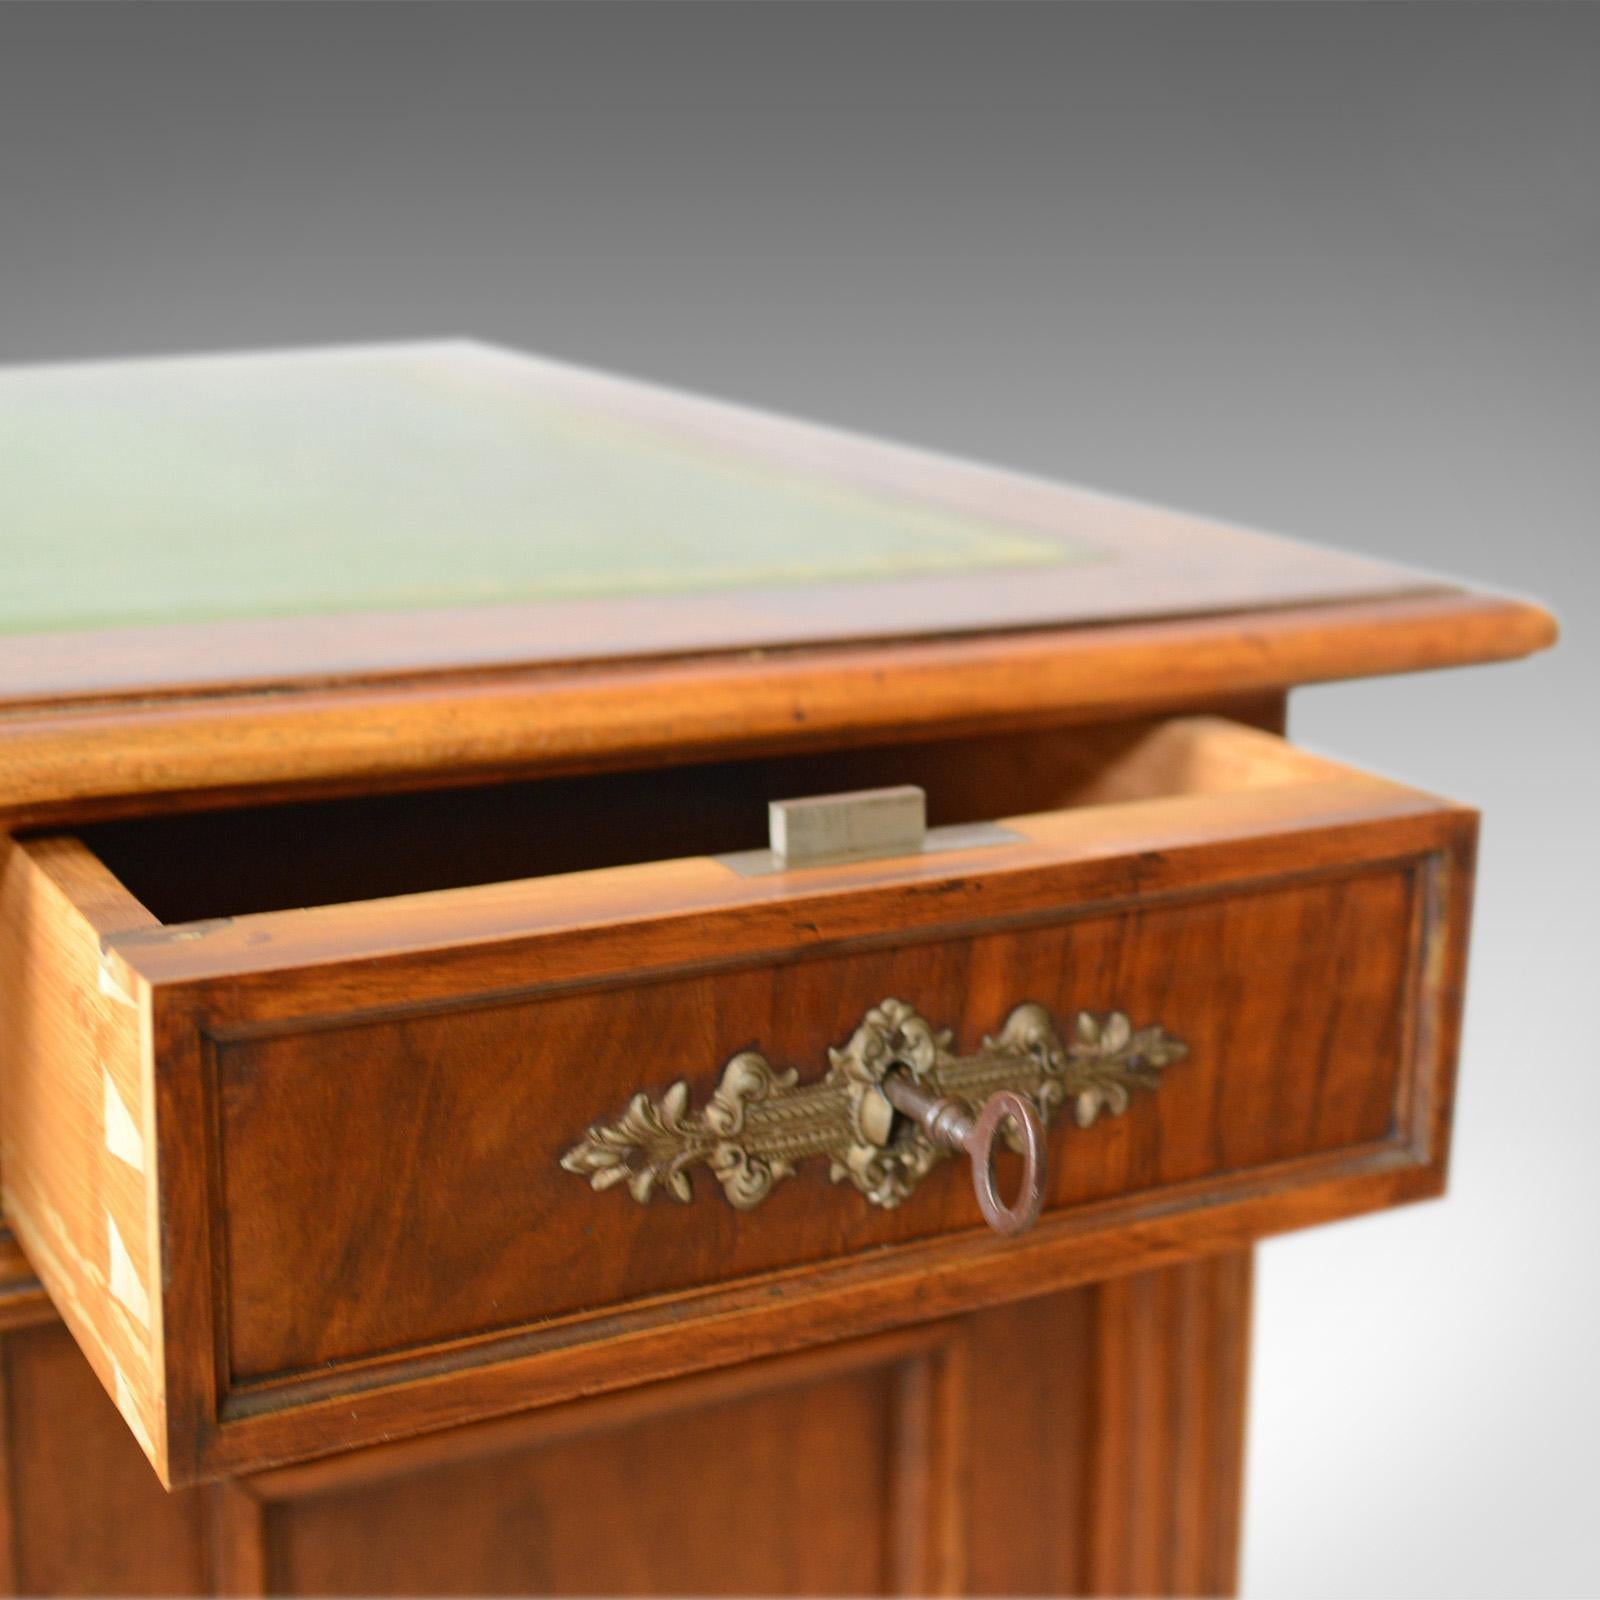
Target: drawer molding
<point x="761" y="1122"/>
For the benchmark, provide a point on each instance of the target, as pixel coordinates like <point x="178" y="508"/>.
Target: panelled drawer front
<point x="349" y="1218"/>
<point x="402" y="1173"/>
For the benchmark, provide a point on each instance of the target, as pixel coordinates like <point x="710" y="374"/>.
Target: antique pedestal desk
<point x="604" y="993"/>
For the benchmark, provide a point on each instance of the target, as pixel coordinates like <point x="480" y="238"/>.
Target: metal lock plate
<point x="866" y="823"/>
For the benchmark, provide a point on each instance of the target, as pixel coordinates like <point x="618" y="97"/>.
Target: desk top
<point x="183" y="534"/>
<point x="443" y="478"/>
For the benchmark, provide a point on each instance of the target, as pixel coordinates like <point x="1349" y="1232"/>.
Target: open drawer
<point x="306" y="1162"/>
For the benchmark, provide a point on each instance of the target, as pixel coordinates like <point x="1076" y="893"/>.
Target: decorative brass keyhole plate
<point x="760" y="1123"/>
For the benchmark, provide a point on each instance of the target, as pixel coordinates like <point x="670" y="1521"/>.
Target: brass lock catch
<point x="894" y="1102"/>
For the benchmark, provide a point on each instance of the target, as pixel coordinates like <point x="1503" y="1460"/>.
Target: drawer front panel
<point x="391" y="1182"/>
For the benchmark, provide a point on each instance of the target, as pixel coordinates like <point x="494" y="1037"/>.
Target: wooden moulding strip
<point x="62" y="761"/>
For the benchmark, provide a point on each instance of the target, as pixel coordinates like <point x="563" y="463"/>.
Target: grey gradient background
<point x="1333" y="271"/>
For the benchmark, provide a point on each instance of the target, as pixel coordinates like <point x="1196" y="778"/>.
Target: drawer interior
<point x="188" y="868"/>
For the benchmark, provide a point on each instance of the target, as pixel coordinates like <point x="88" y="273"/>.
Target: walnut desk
<point x="462" y="1131"/>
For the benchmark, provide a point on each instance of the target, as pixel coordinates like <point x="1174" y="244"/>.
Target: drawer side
<point x="76" y="1126"/>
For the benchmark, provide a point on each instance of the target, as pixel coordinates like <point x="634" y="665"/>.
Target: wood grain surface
<point x="75" y="1119"/>
<point x="1073" y="1443"/>
<point x="392" y="1183"/>
<point x="137" y="752"/>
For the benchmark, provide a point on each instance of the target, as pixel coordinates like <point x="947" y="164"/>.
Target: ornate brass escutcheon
<point x="894" y="1102"/>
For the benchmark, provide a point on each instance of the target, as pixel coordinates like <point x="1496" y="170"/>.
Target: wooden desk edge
<point x="60" y="762"/>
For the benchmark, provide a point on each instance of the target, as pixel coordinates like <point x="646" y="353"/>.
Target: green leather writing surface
<point x="409" y="478"/>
